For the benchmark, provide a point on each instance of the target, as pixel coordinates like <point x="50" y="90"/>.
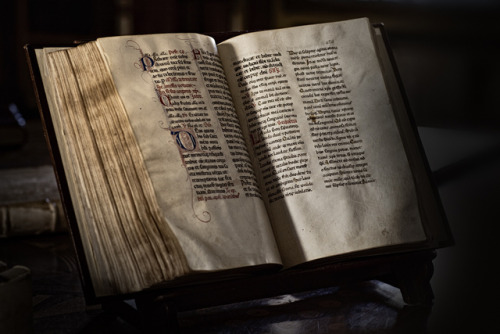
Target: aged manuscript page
<point x="323" y="139"/>
<point x="176" y="95"/>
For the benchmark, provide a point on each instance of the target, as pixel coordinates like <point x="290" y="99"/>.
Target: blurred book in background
<point x="29" y="202"/>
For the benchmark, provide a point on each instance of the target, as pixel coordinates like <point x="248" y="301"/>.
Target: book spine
<point x="31" y="218"/>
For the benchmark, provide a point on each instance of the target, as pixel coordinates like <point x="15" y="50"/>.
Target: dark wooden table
<point x="350" y="307"/>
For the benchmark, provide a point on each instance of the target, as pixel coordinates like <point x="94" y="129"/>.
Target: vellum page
<point x="64" y="149"/>
<point x="101" y="287"/>
<point x="176" y="96"/>
<point x="324" y="142"/>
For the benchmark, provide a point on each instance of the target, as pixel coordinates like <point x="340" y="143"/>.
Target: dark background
<point x="448" y="55"/>
<point x="447" y="51"/>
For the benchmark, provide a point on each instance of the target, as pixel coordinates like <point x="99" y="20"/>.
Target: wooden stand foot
<point x="158" y="315"/>
<point x="413" y="278"/>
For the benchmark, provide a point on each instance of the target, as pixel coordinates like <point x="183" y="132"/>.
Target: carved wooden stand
<point x="410" y="272"/>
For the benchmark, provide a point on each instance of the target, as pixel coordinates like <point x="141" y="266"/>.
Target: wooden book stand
<point x="156" y="310"/>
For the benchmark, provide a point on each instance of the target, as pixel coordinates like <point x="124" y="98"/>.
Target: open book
<point x="273" y="148"/>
